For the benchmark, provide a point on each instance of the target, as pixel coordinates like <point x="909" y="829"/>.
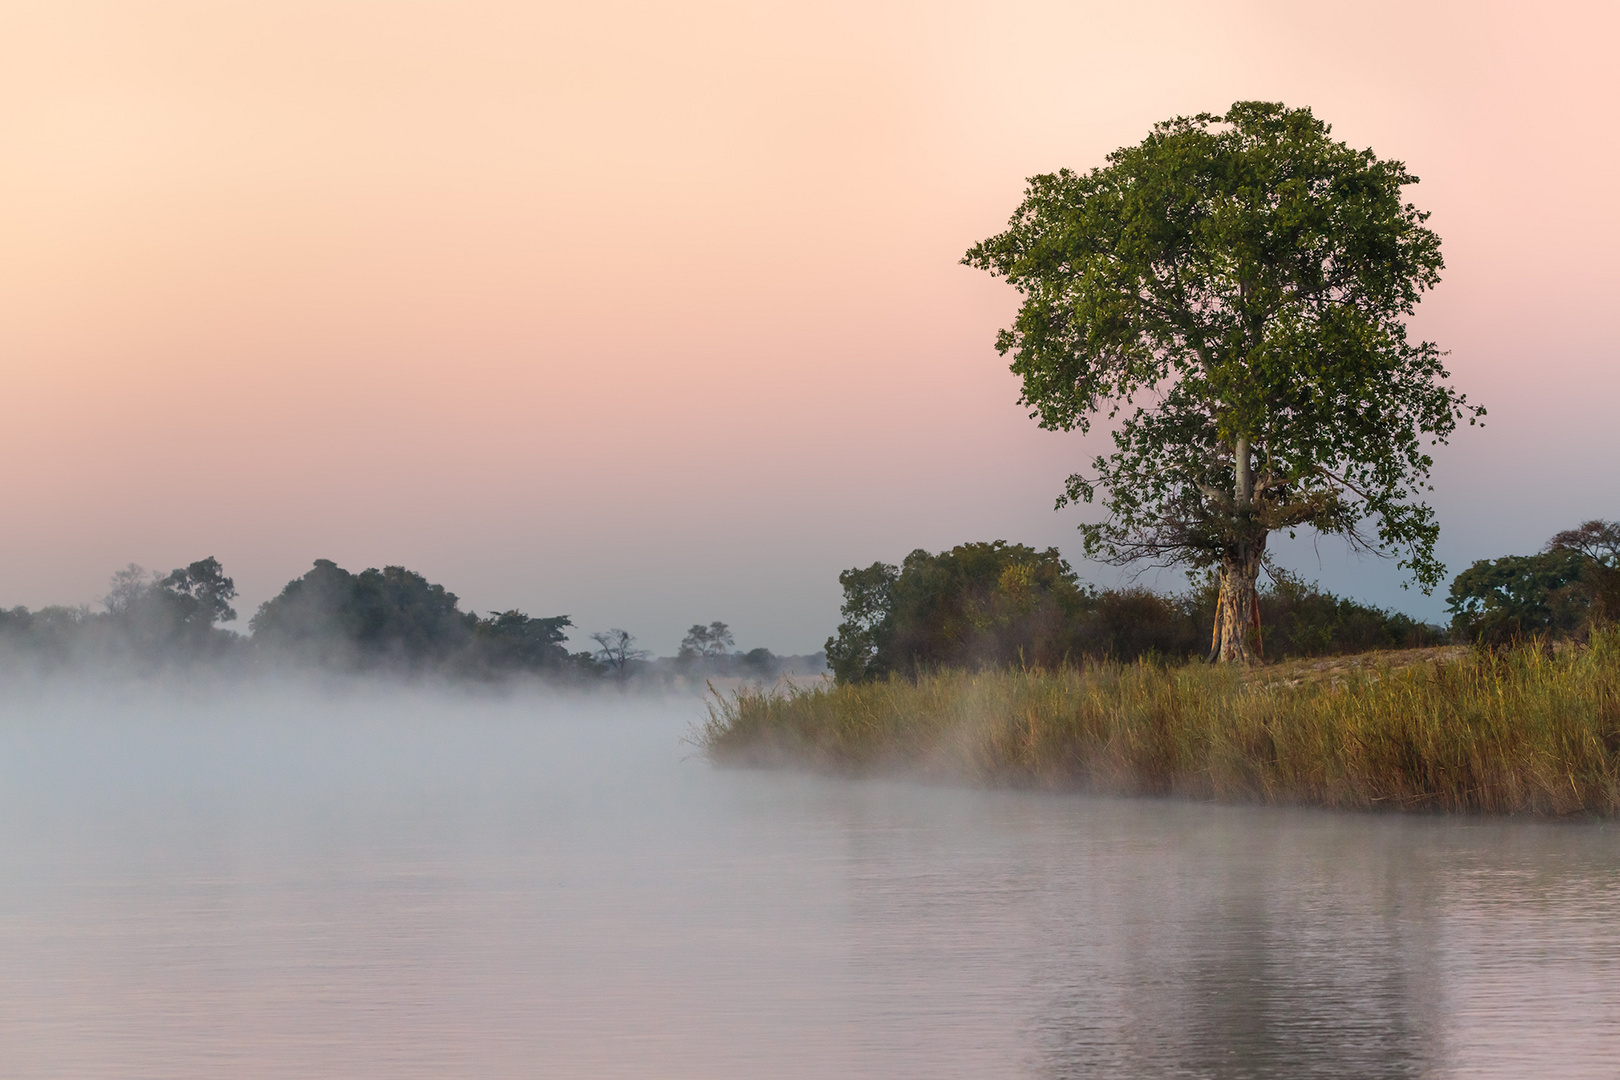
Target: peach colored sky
<point x="650" y="314"/>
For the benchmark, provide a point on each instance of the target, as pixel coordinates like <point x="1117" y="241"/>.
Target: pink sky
<point x="650" y="313"/>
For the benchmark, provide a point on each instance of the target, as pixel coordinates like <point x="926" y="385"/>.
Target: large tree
<point x="1231" y="294"/>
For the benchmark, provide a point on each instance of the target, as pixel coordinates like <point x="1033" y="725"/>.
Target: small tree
<point x="720" y="640"/>
<point x="761" y="662"/>
<point x="854" y="653"/>
<point x="693" y="644"/>
<point x="1232" y="291"/>
<point x="711" y="642"/>
<point x="978" y="604"/>
<point x="204" y="582"/>
<point x="1597" y="540"/>
<point x="1598" y="544"/>
<point x="125" y="588"/>
<point x="617" y="650"/>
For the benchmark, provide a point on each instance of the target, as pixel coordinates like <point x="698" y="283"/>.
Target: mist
<point x="277" y="877"/>
<point x="388" y="621"/>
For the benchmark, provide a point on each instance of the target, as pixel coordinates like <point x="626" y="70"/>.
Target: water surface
<point x="270" y="882"/>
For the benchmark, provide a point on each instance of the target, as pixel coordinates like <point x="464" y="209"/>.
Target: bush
<point x="1572" y="585"/>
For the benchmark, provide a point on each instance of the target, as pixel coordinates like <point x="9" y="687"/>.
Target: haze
<point x="262" y="879"/>
<point x="651" y="314"/>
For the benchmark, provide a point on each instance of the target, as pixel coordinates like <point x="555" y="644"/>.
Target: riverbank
<point x="1454" y="730"/>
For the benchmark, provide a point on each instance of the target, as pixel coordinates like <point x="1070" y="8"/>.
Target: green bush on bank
<point x="1573" y="583"/>
<point x="1523" y="731"/>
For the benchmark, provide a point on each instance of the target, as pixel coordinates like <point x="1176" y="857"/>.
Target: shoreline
<point x="1432" y="730"/>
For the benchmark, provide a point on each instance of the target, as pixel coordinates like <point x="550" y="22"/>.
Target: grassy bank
<point x="1523" y="732"/>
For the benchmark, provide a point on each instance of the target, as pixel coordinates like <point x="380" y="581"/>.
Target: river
<point x="362" y="881"/>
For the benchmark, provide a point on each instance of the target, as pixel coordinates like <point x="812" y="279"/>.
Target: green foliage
<point x="1515" y="732"/>
<point x="1303" y="620"/>
<point x="978" y="603"/>
<point x="1572" y="583"/>
<point x="1598" y="541"/>
<point x="392" y="618"/>
<point x="1496" y="601"/>
<point x="1234" y="285"/>
<point x="853" y="653"/>
<point x="374" y="617"/>
<point x="998" y="604"/>
<point x="706" y="651"/>
<point x="995" y="603"/>
<point x="50" y="635"/>
<point x="511" y="639"/>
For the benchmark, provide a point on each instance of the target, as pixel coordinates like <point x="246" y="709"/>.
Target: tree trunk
<point x="1237" y="612"/>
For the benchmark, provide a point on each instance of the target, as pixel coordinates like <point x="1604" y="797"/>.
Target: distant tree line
<point x="706" y="650"/>
<point x="147" y="617"/>
<point x="389" y="619"/>
<point x="998" y="604"/>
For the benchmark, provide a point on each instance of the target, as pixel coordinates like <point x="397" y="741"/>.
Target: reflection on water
<point x="399" y="884"/>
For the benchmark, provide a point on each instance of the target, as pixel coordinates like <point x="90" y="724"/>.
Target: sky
<point x="651" y="314"/>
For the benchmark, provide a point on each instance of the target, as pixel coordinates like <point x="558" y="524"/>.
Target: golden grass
<point x="1524" y="732"/>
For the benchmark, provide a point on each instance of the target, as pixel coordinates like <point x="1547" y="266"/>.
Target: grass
<point x="1521" y="732"/>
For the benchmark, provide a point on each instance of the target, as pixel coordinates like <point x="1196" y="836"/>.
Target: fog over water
<point x="351" y="879"/>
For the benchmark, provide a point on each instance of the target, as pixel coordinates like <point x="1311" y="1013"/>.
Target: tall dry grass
<point x="1521" y="732"/>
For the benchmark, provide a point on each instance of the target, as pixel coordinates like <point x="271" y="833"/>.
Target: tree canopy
<point x="1571" y="583"/>
<point x="209" y="591"/>
<point x="706" y="642"/>
<point x="983" y="603"/>
<point x="979" y="603"/>
<point x="1231" y="294"/>
<point x="396" y="617"/>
